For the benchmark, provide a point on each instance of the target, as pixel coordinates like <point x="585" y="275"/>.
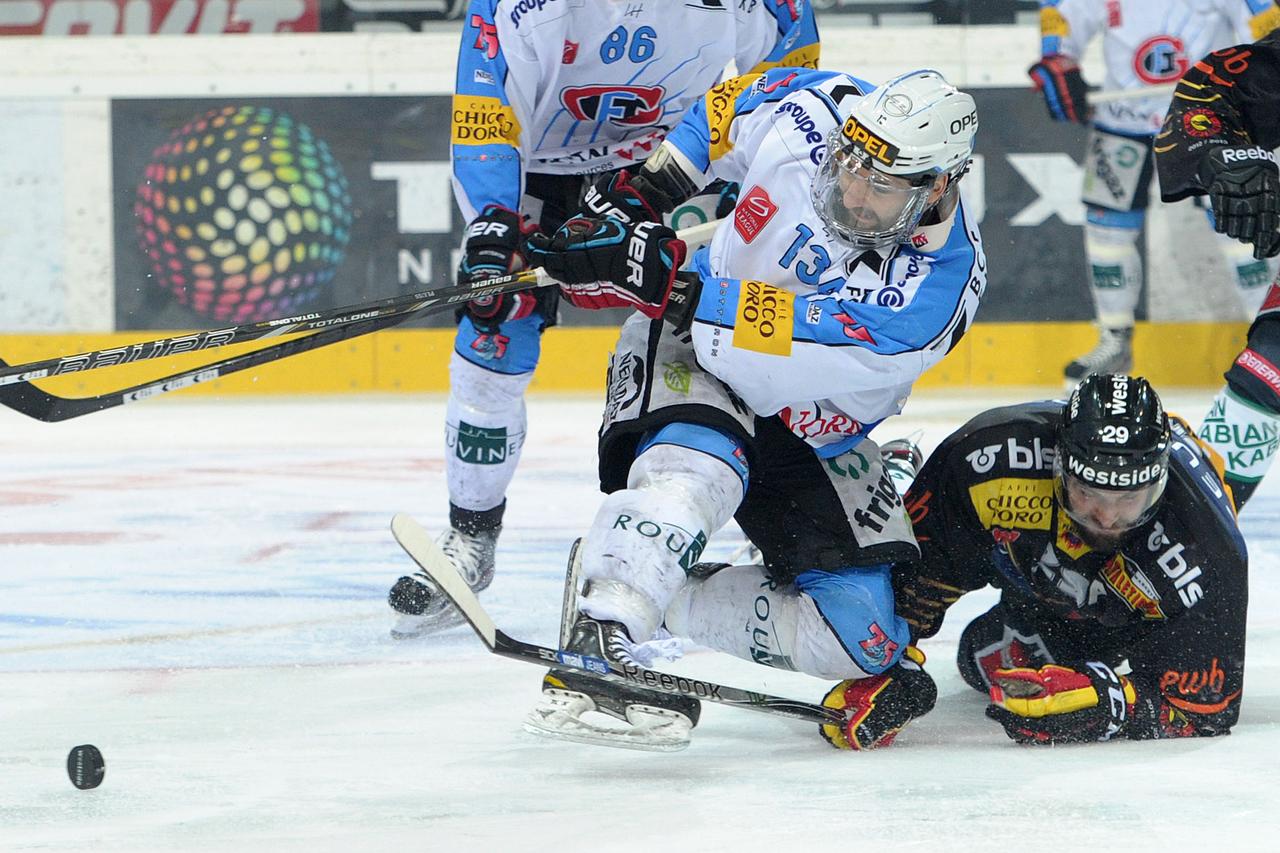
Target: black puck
<point x="85" y="766"/>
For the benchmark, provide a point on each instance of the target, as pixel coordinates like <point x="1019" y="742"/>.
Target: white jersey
<point x="1148" y="43"/>
<point x="583" y="86"/>
<point x="796" y="322"/>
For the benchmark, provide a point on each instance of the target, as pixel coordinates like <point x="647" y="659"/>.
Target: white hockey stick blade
<point x="569" y="606"/>
<point x="559" y="717"/>
<point x="419" y="545"/>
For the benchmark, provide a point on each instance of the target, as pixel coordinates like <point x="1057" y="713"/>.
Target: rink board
<point x="574" y="359"/>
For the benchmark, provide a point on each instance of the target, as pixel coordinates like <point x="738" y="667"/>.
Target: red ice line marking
<point x="47" y="537"/>
<point x="27" y="498"/>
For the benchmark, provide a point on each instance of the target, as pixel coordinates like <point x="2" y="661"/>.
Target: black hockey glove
<point x="493" y="248"/>
<point x="627" y="198"/>
<point x="1244" y="189"/>
<point x="603" y="263"/>
<point x="879" y="707"/>
<point x="1056" y="704"/>
<point x="1057" y="77"/>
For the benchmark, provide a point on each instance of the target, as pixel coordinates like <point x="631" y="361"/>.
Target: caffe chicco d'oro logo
<point x="243" y="213"/>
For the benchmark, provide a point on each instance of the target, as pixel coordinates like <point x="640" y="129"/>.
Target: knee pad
<point x="1115" y="266"/>
<point x="988" y="644"/>
<point x="857" y="607"/>
<point x="514" y="349"/>
<point x="485" y="424"/>
<point x="646" y="537"/>
<point x="741" y="611"/>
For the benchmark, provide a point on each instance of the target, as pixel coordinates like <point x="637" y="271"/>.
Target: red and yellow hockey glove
<point x="1056" y="704"/>
<point x="879" y="707"/>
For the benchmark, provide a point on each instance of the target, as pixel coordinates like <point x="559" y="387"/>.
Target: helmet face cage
<point x="874" y="184"/>
<point x="866" y="208"/>
<point x="1112" y="455"/>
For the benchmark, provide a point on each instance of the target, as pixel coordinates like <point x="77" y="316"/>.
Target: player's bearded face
<point x="1105" y="516"/>
<point x="872" y="201"/>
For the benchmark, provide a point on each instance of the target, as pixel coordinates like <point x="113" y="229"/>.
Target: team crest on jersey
<point x="570" y="52"/>
<point x="1132" y="586"/>
<point x="753" y="213"/>
<point x="1160" y="59"/>
<point x="626" y="105"/>
<point x="1201" y="122"/>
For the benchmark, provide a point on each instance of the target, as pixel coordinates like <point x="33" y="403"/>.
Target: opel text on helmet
<point x="1112" y="458"/>
<point x="885" y="166"/>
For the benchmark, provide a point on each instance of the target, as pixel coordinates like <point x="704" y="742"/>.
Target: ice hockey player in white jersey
<point x="547" y="92"/>
<point x="1144" y="44"/>
<point x="746" y="388"/>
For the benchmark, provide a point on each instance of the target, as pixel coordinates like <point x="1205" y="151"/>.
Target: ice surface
<point x="198" y="587"/>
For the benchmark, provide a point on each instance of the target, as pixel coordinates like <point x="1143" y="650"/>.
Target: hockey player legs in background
<point x="1107" y="529"/>
<point x="1218" y="141"/>
<point x="546" y="100"/>
<point x="849" y="267"/>
<point x="1144" y="44"/>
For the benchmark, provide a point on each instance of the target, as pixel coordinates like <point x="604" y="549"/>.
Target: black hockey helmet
<point x="1112" y="458"/>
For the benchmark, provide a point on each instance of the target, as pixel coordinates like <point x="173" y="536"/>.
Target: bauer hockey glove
<point x="1243" y="183"/>
<point x="878" y="707"/>
<point x="627" y="198"/>
<point x="493" y="248"/>
<point x="1056" y="704"/>
<point x="604" y="263"/>
<point x="1057" y="77"/>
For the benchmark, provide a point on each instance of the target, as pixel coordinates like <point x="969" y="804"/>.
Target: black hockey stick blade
<point x="41" y="405"/>
<point x="418" y="544"/>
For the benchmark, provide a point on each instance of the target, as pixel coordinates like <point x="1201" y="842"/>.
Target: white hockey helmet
<point x="882" y="166"/>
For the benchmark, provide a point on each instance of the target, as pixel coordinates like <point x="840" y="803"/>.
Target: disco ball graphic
<point x="244" y="214"/>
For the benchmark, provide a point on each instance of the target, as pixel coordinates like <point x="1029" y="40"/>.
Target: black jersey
<point x="1231" y="97"/>
<point x="1171" y="599"/>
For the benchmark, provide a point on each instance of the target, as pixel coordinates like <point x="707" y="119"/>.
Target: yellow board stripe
<point x="574" y="359"/>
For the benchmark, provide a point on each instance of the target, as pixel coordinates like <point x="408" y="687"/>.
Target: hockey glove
<point x="1057" y="77"/>
<point x="494" y="240"/>
<point x="878" y="707"/>
<point x="1244" y="189"/>
<point x="603" y="263"/>
<point x="627" y="198"/>
<point x="1055" y="704"/>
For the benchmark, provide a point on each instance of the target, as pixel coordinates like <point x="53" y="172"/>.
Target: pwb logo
<point x="628" y="105"/>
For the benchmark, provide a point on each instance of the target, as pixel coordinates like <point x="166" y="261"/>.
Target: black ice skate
<point x="1113" y="354"/>
<point x="420" y="607"/>
<point x="653" y="721"/>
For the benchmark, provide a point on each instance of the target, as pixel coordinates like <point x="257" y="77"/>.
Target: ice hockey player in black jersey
<point x="1108" y="530"/>
<point x="1218" y="140"/>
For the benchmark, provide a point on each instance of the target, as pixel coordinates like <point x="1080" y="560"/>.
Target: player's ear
<point x="939" y="187"/>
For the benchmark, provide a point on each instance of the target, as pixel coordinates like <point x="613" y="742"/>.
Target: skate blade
<point x="412" y="627"/>
<point x="650" y="729"/>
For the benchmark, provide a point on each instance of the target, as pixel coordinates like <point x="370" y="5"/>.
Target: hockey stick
<point x="418" y="544"/>
<point x="1107" y="96"/>
<point x="409" y="304"/>
<point x="335" y="326"/>
<point x="43" y="406"/>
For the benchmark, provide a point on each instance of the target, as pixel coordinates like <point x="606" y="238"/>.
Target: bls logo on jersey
<point x="629" y="105"/>
<point x="1160" y="59"/>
